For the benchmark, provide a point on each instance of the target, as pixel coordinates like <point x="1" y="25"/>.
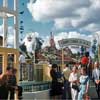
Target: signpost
<point x="74" y="41"/>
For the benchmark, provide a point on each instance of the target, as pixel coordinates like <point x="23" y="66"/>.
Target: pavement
<point x="92" y="91"/>
<point x="45" y="94"/>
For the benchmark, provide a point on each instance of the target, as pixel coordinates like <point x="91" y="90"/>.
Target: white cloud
<point x="92" y="27"/>
<point x="10" y="38"/>
<point x="32" y="34"/>
<point x="67" y="13"/>
<point x="46" y="42"/>
<point x="49" y="9"/>
<point x="62" y="23"/>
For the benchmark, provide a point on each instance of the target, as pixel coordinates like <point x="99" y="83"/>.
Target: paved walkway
<point x="92" y="91"/>
<point x="45" y="94"/>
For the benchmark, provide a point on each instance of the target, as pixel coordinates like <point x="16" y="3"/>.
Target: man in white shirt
<point x="96" y="77"/>
<point x="22" y="58"/>
<point x="22" y="64"/>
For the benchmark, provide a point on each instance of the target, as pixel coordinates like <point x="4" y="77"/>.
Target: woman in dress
<point x="56" y="85"/>
<point x="73" y="79"/>
<point x="84" y="84"/>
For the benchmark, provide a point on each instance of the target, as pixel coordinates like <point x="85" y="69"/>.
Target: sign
<point x="74" y="41"/>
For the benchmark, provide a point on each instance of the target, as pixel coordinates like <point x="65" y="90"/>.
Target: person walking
<point x="73" y="79"/>
<point x="96" y="77"/>
<point x="84" y="84"/>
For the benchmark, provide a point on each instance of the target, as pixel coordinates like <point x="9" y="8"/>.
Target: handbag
<point x="75" y="87"/>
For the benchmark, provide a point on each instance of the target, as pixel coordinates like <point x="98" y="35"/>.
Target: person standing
<point x="56" y="84"/>
<point x="67" y="91"/>
<point x="96" y="77"/>
<point x="4" y="85"/>
<point x="13" y="85"/>
<point x="73" y="79"/>
<point x="22" y="65"/>
<point x="84" y="84"/>
<point x="66" y="72"/>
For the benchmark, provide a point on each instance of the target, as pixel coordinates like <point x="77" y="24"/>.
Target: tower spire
<point x="52" y="42"/>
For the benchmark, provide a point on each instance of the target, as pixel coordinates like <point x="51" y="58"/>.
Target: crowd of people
<point x="73" y="83"/>
<point x="69" y="83"/>
<point x="8" y="85"/>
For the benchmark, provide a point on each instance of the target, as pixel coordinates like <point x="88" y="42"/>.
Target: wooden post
<point x="16" y="64"/>
<point x="62" y="59"/>
<point x="4" y="63"/>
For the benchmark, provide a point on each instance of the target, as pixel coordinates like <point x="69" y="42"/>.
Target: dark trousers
<point x="12" y="92"/>
<point x="20" y="90"/>
<point x="3" y="93"/>
<point x="67" y="91"/>
<point x="98" y="89"/>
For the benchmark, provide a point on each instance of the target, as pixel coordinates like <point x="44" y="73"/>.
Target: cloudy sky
<point x="67" y="15"/>
<point x="66" y="18"/>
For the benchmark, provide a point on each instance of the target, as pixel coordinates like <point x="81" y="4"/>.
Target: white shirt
<point x="73" y="77"/>
<point x="22" y="59"/>
<point x="97" y="72"/>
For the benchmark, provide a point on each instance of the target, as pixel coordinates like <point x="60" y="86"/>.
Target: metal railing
<point x="26" y="72"/>
<point x="34" y="86"/>
<point x="37" y="72"/>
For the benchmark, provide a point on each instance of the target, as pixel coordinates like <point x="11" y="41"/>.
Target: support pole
<point x="62" y="58"/>
<point x="98" y="52"/>
<point x="5" y="30"/>
<point x="16" y="34"/>
<point x="5" y="25"/>
<point x="5" y="3"/>
<point x="4" y="63"/>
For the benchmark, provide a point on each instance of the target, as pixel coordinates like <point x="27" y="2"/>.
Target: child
<point x="86" y="97"/>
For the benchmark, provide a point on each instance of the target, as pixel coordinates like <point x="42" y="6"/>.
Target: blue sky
<point x="78" y="18"/>
<point x="29" y="25"/>
<point x="43" y="28"/>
